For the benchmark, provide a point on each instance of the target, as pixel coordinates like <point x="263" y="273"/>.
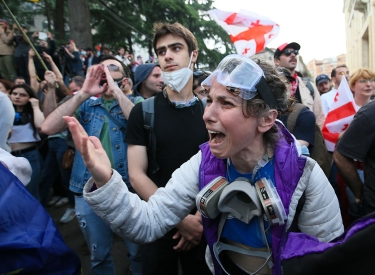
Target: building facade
<point x="325" y="66"/>
<point x="360" y="33"/>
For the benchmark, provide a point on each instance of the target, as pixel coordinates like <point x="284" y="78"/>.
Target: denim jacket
<point x="92" y="117"/>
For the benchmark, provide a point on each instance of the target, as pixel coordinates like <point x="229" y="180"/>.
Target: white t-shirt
<point x="327" y="100"/>
<point x="23" y="133"/>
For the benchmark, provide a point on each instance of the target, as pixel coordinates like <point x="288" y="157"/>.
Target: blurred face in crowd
<point x="324" y="87"/>
<point x="70" y="47"/>
<point x="105" y="51"/>
<point x="154" y="82"/>
<point x="363" y="88"/>
<point x="200" y="92"/>
<point x="287" y="59"/>
<point x="340" y="72"/>
<point x="19" y="97"/>
<point x="121" y="51"/>
<point x="73" y="87"/>
<point x="19" y="81"/>
<point x="43" y="44"/>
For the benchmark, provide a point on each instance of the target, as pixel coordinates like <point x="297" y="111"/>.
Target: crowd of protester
<point x="107" y="92"/>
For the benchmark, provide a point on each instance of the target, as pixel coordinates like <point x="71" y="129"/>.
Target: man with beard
<point x="91" y="59"/>
<point x="323" y="83"/>
<point x="286" y="56"/>
<point x="148" y="82"/>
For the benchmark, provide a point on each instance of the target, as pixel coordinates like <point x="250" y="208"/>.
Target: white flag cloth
<point x="249" y="32"/>
<point x="339" y="116"/>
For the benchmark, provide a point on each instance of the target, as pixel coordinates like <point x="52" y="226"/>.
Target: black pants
<point x="159" y="258"/>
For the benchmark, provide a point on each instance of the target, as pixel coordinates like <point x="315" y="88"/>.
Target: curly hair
<point x="257" y="107"/>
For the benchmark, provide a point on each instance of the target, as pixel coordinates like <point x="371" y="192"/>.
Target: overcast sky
<point x="318" y="26"/>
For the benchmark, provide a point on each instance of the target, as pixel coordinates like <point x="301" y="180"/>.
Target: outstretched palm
<point x="93" y="154"/>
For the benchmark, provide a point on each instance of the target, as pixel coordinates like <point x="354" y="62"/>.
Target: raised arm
<point x="128" y="216"/>
<point x="54" y="122"/>
<point x="49" y="103"/>
<point x="125" y="104"/>
<point x="38" y="115"/>
<point x="54" y="68"/>
<point x="31" y="66"/>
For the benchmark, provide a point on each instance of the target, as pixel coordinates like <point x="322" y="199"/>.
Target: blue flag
<point x="30" y="242"/>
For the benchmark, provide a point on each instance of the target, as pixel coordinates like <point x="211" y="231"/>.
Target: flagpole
<point x="25" y="36"/>
<point x="27" y="39"/>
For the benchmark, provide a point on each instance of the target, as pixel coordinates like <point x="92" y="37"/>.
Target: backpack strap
<point x="310" y="87"/>
<point x="292" y="118"/>
<point x="148" y="108"/>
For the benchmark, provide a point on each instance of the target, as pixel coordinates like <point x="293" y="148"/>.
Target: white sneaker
<point x="53" y="201"/>
<point x="62" y="202"/>
<point x="69" y="215"/>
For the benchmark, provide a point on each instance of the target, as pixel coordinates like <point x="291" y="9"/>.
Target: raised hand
<point x="91" y="85"/>
<point x="93" y="154"/>
<point x="47" y="57"/>
<point x="34" y="102"/>
<point x="31" y="53"/>
<point x="50" y="77"/>
<point x="111" y="84"/>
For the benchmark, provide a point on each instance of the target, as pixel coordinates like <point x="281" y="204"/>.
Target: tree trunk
<point x="130" y="44"/>
<point x="48" y="15"/>
<point x="59" y="22"/>
<point x="79" y="23"/>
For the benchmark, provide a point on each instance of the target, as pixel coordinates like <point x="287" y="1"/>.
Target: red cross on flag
<point x="249" y="32"/>
<point x="339" y="116"/>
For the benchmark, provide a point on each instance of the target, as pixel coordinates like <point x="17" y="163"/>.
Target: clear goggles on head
<point x="242" y="77"/>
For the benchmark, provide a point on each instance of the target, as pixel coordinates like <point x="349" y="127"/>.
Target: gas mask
<point x="244" y="201"/>
<point x="241" y="199"/>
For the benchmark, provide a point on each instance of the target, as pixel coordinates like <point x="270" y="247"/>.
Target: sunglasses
<point x="289" y="52"/>
<point x="200" y="73"/>
<point x="113" y="68"/>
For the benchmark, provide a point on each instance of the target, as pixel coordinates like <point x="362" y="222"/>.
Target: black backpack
<point x="319" y="152"/>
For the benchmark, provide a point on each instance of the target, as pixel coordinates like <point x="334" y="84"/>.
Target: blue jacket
<point x="91" y="116"/>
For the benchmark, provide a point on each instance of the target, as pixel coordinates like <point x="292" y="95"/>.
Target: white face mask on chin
<point x="177" y="80"/>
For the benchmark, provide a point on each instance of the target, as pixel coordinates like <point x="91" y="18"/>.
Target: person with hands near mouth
<point x="243" y="237"/>
<point x="105" y="118"/>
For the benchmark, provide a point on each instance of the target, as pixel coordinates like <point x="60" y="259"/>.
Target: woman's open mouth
<point x="216" y="137"/>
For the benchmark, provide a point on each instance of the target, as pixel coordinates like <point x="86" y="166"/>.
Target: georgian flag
<point x="339" y="116"/>
<point x="249" y="32"/>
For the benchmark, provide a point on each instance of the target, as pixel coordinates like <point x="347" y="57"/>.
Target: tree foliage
<point x="125" y="23"/>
